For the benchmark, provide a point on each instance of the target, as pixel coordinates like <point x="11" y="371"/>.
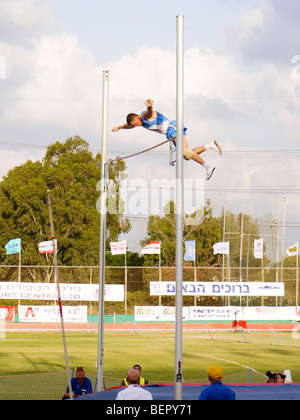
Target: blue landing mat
<point x="192" y="392"/>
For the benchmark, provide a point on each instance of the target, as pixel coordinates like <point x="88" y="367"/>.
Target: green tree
<point x="71" y="173"/>
<point x="206" y="233"/>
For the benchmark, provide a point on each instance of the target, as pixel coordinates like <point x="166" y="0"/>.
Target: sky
<point x="241" y="87"/>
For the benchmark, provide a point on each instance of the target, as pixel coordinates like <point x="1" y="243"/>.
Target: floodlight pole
<point x="179" y="206"/>
<point x="104" y="176"/>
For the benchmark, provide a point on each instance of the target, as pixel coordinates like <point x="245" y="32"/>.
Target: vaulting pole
<point x="58" y="293"/>
<point x="179" y="206"/>
<point x="104" y="175"/>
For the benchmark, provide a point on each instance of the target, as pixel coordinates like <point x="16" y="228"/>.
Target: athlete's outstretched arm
<point x="124" y="126"/>
<point x="148" y="113"/>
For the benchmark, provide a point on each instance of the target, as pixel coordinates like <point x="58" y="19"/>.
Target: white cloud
<point x="221" y="102"/>
<point x="267" y="33"/>
<point x="55" y="88"/>
<point x="22" y="21"/>
<point x="11" y="159"/>
<point x="25" y="13"/>
<point x="60" y="79"/>
<point x="60" y="86"/>
<point x="248" y="22"/>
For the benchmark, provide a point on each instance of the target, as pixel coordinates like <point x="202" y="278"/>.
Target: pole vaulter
<point x="175" y="132"/>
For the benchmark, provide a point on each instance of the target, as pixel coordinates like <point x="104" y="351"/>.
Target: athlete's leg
<point x="195" y="156"/>
<point x="199" y="150"/>
<point x="213" y="145"/>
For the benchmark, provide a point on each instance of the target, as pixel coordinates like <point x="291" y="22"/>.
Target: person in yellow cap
<point x="217" y="390"/>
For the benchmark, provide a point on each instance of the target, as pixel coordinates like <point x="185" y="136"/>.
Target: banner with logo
<point x="158" y="313"/>
<point x="221" y="248"/>
<point x="7" y="313"/>
<point x="271" y="313"/>
<point x="292" y="250"/>
<point x="258" y="248"/>
<point x="52" y="313"/>
<point x="118" y="248"/>
<point x="191" y="288"/>
<point x="190" y="251"/>
<point x="218" y="313"/>
<point x="151" y="248"/>
<point x="13" y="246"/>
<point x="245" y="313"/>
<point x="68" y="291"/>
<point x="46" y="247"/>
<point x="215" y="313"/>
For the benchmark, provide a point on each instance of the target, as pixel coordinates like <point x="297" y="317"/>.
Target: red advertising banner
<point x="7" y="313"/>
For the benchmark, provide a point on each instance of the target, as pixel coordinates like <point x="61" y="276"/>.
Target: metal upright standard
<point x="179" y="207"/>
<point x="104" y="175"/>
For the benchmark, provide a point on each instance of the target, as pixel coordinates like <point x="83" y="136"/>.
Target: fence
<point x="51" y="386"/>
<point x="137" y="281"/>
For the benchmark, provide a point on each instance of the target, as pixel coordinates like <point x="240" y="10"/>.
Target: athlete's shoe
<point x="209" y="173"/>
<point x="216" y="147"/>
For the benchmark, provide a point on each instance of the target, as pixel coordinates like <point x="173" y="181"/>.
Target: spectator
<point x="133" y="390"/>
<point x="81" y="385"/>
<point x="217" y="390"/>
<point x="280" y="378"/>
<point x="271" y="377"/>
<point x="143" y="381"/>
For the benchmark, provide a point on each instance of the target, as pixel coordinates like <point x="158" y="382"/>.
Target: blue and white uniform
<point x="162" y="125"/>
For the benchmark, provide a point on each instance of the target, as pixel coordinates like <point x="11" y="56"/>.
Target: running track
<point x="48" y="327"/>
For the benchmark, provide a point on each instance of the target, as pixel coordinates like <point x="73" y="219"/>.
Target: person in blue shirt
<point x="217" y="391"/>
<point x="155" y="121"/>
<point x="81" y="385"/>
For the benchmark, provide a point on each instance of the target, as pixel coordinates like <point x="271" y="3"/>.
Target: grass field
<point x="32" y="353"/>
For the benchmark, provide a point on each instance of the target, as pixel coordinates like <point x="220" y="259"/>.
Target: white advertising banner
<point x="191" y="288"/>
<point x="152" y="248"/>
<point x="259" y="248"/>
<point x="218" y="313"/>
<point x="118" y="248"/>
<point x="71" y="292"/>
<point x="52" y="314"/>
<point x="271" y="313"/>
<point x="215" y="313"/>
<point x="221" y="248"/>
<point x="158" y="313"/>
<point x="46" y="247"/>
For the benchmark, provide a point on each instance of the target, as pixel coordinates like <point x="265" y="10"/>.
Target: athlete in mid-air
<point x="154" y="121"/>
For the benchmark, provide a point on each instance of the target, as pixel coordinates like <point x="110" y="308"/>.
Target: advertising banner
<point x="218" y="313"/>
<point x="191" y="288"/>
<point x="271" y="313"/>
<point x="158" y="313"/>
<point x="215" y="313"/>
<point x="52" y="314"/>
<point x="71" y="292"/>
<point x="118" y="248"/>
<point x="152" y="248"/>
<point x="46" y="247"/>
<point x="7" y="313"/>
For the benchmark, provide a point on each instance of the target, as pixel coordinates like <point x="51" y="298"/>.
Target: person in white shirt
<point x="133" y="391"/>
